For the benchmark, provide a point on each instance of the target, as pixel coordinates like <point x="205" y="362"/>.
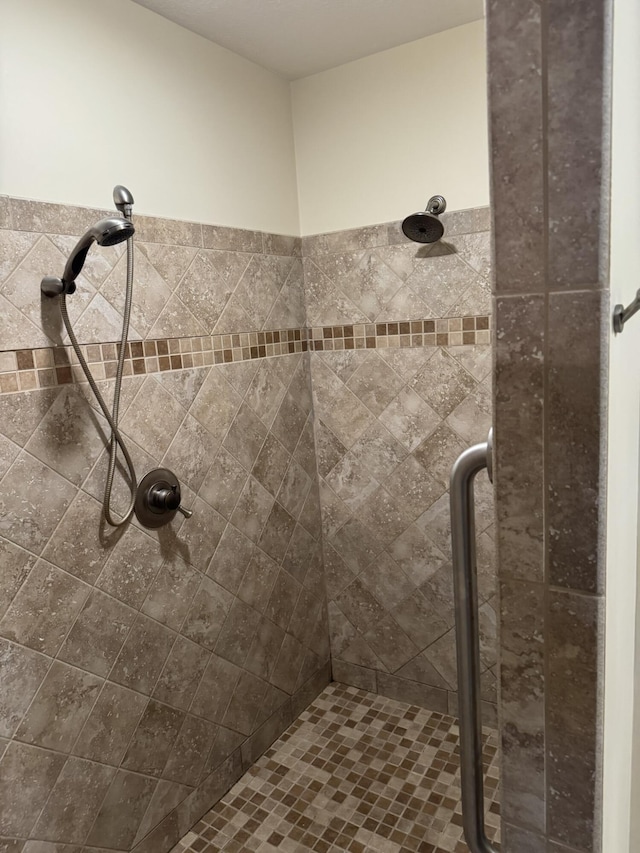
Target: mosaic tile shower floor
<point x="356" y="772"/>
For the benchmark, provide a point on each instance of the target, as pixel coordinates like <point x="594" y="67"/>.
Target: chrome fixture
<point x="465" y="582"/>
<point x="425" y="226"/>
<point x="622" y="314"/>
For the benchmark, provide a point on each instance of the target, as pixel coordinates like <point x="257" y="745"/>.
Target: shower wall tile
<point x="578" y="110"/>
<point x="232" y="239"/>
<point x="575" y="364"/>
<point x="389" y="422"/>
<point x="172" y="231"/>
<point x="522" y="684"/>
<point x="574" y="700"/>
<point x="549" y="92"/>
<point x="115" y="645"/>
<point x="189" y="278"/>
<point x="519" y="430"/>
<point x="148" y="627"/>
<point x="48" y="218"/>
<point x="514" y="43"/>
<point x="384" y="534"/>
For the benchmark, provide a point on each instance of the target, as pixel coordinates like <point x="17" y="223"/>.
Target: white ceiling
<point x="296" y="38"/>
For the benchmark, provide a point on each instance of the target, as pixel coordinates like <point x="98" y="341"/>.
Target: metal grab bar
<point x="463" y="474"/>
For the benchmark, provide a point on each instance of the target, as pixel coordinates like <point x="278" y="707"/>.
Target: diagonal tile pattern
<point x="148" y="670"/>
<point x="356" y="772"/>
<point x="231" y="282"/>
<point x="385" y="513"/>
<point x="389" y="422"/>
<point x="138" y="662"/>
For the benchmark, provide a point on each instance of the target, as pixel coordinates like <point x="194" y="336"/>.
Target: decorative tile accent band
<point x="452" y="331"/>
<point x="29" y="369"/>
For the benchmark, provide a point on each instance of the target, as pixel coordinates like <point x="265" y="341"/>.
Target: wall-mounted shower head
<point x="425" y="226"/>
<point x="123" y="200"/>
<point x="107" y="232"/>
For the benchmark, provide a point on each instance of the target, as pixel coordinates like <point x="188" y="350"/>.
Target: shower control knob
<point x="166" y="499"/>
<point x="158" y="498"/>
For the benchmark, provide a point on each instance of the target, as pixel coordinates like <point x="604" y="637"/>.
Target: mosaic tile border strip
<point x="452" y="331"/>
<point x="30" y="369"/>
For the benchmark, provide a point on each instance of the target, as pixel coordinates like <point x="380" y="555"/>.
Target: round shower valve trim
<point x="158" y="498"/>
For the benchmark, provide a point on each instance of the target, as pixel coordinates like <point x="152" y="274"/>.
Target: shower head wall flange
<point x="437" y="204"/>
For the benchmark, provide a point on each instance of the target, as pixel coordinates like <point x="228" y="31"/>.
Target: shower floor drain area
<point x="356" y="772"/>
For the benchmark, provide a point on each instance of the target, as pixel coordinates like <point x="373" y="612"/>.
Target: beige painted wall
<point x="377" y="137"/>
<point x="96" y="93"/>
<point x="622" y="695"/>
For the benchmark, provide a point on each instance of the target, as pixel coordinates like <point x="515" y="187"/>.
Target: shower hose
<point x="111" y="417"/>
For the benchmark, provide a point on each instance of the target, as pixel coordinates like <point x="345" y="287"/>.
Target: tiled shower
<point x="149" y="669"/>
<point x="278" y="671"/>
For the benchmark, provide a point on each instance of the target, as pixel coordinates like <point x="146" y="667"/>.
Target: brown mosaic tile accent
<point x="26" y="369"/>
<point x="452" y="331"/>
<point x="355" y="772"/>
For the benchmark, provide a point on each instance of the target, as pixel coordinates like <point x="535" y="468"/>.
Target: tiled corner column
<point x="549" y="85"/>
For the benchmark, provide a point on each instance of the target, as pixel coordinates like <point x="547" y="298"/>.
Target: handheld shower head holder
<point x="123" y="200"/>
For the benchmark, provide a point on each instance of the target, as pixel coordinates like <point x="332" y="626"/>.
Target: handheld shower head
<point x="123" y="200"/>
<point x="107" y="232"/>
<point x="425" y="226"/>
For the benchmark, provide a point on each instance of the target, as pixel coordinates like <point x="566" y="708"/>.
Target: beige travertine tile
<point x="165" y="798"/>
<point x="15" y="566"/>
<point x="191" y="451"/>
<point x="153" y="739"/>
<point x="130" y="568"/>
<point x="231" y="558"/>
<point x="44" y="609"/>
<point x="279" y="244"/>
<point x="122" y="810"/>
<point x="60" y="708"/>
<point x="151" y="292"/>
<point x="70" y="437"/>
<point x="74" y="801"/>
<point x="170" y="261"/>
<point x="181" y="674"/>
<point x="174" y="232"/>
<point x="21" y="672"/>
<point x="27" y="775"/>
<point x="409" y="418"/>
<point x="109" y="727"/>
<point x="234" y="239"/>
<point x="176" y="320"/>
<point x="207" y="613"/>
<point x="27" y="519"/>
<point x="143" y="655"/>
<point x="172" y="592"/>
<point x="142" y="421"/>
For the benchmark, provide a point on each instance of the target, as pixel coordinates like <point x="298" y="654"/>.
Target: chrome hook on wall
<point x="622" y="314"/>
